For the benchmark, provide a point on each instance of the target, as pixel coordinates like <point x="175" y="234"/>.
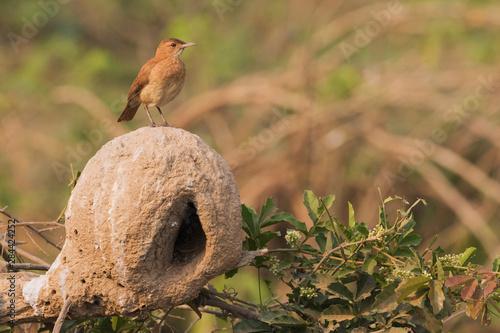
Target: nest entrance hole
<point x="191" y="238"/>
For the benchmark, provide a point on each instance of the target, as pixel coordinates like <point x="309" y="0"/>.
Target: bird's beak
<point x="187" y="45"/>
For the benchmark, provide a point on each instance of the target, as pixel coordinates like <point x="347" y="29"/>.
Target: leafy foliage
<point x="340" y="277"/>
<point x="348" y="278"/>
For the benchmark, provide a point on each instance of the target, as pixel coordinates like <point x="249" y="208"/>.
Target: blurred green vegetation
<point x="270" y="88"/>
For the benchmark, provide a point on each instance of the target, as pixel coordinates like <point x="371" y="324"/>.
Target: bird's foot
<point x="165" y="124"/>
<point x="153" y="125"/>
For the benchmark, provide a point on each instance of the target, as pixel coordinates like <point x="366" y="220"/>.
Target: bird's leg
<point x="164" y="121"/>
<point x="149" y="115"/>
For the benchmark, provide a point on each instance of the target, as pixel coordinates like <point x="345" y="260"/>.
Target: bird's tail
<point x="128" y="112"/>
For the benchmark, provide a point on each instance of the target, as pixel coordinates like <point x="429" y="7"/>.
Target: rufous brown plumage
<point x="159" y="81"/>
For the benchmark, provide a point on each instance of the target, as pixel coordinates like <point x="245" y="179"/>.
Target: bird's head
<point x="172" y="47"/>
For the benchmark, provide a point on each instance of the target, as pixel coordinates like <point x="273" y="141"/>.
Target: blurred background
<point x="340" y="97"/>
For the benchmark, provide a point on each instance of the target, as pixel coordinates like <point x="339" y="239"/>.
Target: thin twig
<point x="206" y="310"/>
<point x="165" y="316"/>
<point x="236" y="310"/>
<point x="495" y="305"/>
<point x="32" y="228"/>
<point x="341" y="246"/>
<point x="248" y="256"/>
<point x="334" y="229"/>
<point x="140" y="326"/>
<point x="327" y="255"/>
<point x="62" y="315"/>
<point x="55" y="224"/>
<point x="48" y="229"/>
<point x="335" y="270"/>
<point x="44" y="237"/>
<point x="34" y="242"/>
<point x="232" y="298"/>
<point x="29" y="266"/>
<point x="277" y="305"/>
<point x="388" y="256"/>
<point x="25" y="254"/>
<point x="453" y="316"/>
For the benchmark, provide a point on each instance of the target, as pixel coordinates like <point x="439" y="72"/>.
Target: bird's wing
<point x="133" y="100"/>
<point x="142" y="79"/>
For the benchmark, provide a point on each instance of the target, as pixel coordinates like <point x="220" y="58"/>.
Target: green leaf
<point x="403" y="252"/>
<point x="250" y="221"/>
<point x="308" y="247"/>
<point x="346" y="270"/>
<point x="496" y="265"/>
<point x="382" y="219"/>
<point x="389" y="199"/>
<point x="67" y="325"/>
<point x="251" y="326"/>
<point x="340" y="290"/>
<point x="282" y="318"/>
<point x="432" y="241"/>
<point x="114" y="321"/>
<point x="321" y="240"/>
<point x="352" y="220"/>
<point x="365" y="285"/>
<point x="326" y="204"/>
<point x="322" y="281"/>
<point x="338" y="226"/>
<point x="369" y="264"/>
<point x="410" y="240"/>
<point x="287" y="217"/>
<point x="427" y="321"/>
<point x="267" y="210"/>
<point x="104" y="324"/>
<point x="466" y="255"/>
<point x="436" y="296"/>
<point x="411" y="285"/>
<point x="311" y="204"/>
<point x="362" y="229"/>
<point x="440" y="271"/>
<point x="307" y="312"/>
<point x="407" y="227"/>
<point x="386" y="301"/>
<point x="230" y="273"/>
<point x="249" y="244"/>
<point x="264" y="237"/>
<point x="417" y="298"/>
<point x="284" y="264"/>
<point x="118" y="323"/>
<point x="337" y="312"/>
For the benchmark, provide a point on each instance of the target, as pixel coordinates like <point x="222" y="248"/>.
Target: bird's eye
<point x="173" y="44"/>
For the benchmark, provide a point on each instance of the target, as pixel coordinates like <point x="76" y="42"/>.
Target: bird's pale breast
<point x="165" y="83"/>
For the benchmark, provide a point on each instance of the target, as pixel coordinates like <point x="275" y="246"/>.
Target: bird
<point x="159" y="81"/>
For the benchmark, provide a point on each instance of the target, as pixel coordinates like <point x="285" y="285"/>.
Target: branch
<point x="29" y="266"/>
<point x="341" y="246"/>
<point x="62" y="315"/>
<point x="327" y="254"/>
<point x="25" y="254"/>
<point x="248" y="256"/>
<point x="237" y="311"/>
<point x="28" y="224"/>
